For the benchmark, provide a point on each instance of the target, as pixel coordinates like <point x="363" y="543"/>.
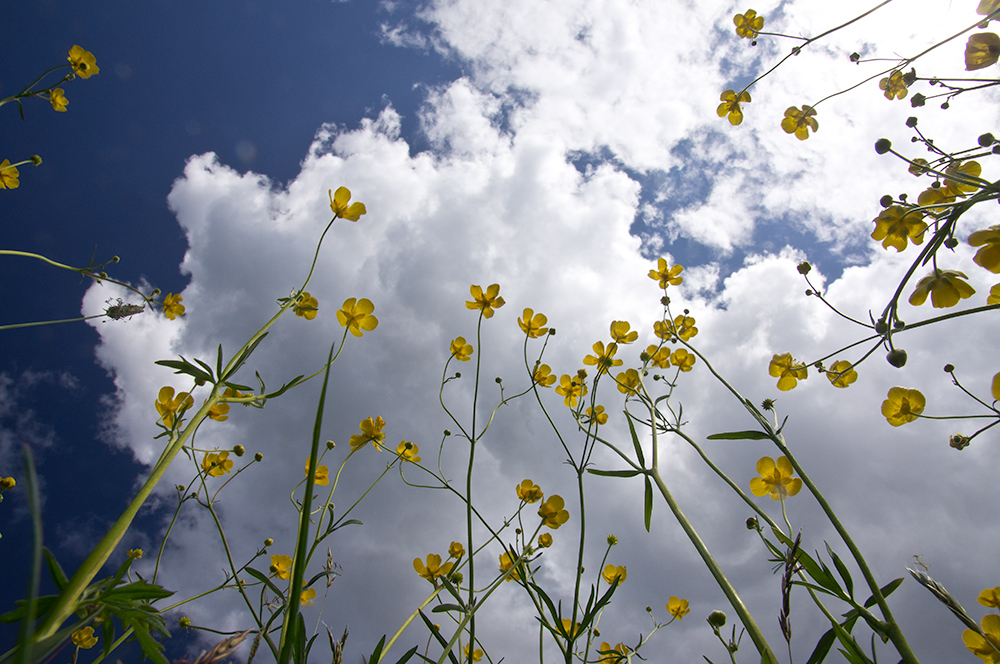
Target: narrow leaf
<point x="55" y="570"/>
<point x="636" y="444"/>
<point x="649" y="502"/>
<point x="842" y="568"/>
<point x="740" y="435"/>
<point x="613" y="473"/>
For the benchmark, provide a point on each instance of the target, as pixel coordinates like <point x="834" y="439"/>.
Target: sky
<point x="555" y="148"/>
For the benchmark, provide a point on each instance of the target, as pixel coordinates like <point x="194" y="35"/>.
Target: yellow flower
<point x="8" y="175"/>
<point x="682" y="359"/>
<point x="842" y="373"/>
<point x="990" y="597"/>
<point x="409" y="451"/>
<point x="775" y="479"/>
<point x="748" y="24"/>
<point x="456" y="550"/>
<point x="659" y="357"/>
<point x="902" y="405"/>
<point x="799" y="122"/>
<point x="995" y="389"/>
<point x="678" y="608"/>
<point x="477" y="654"/>
<point x="982" y="50"/>
<point x="683" y="327"/>
<point x="433" y="567"/>
<point x="987" y="7"/>
<point x="994" y="297"/>
<point x="487" y="302"/>
<point x="532" y="324"/>
<point x="896" y="224"/>
<point x="135" y="554"/>
<point x="989" y="256"/>
<point x="946" y="288"/>
<point x="959" y="173"/>
<point x="731" y="106"/>
<point x="172" y="307"/>
<point x="170" y="408"/>
<point x="572" y="628"/>
<point x="460" y="350"/>
<point x="597" y="415"/>
<point x="787" y="370"/>
<point x="7" y="483"/>
<point x="545" y="540"/>
<point x="506" y="562"/>
<point x="84" y="63"/>
<point x="219" y="412"/>
<point x="938" y="198"/>
<point x="371" y="430"/>
<point x="986" y="649"/>
<point x="356" y="316"/>
<point x="281" y="566"/>
<point x="528" y="491"/>
<point x="217" y="464"/>
<point x="543" y="376"/>
<point x="322" y="474"/>
<point x="918" y="166"/>
<point x="628" y="382"/>
<point x="339" y="204"/>
<point x="552" y="512"/>
<point x="308" y="597"/>
<point x="666" y="276"/>
<point x="307" y="307"/>
<point x="58" y="99"/>
<point x="571" y="389"/>
<point x="84" y="638"/>
<point x="612" y="572"/>
<point x="603" y="358"/>
<point x="894" y="86"/>
<point x="620" y="332"/>
<point x="617" y="654"/>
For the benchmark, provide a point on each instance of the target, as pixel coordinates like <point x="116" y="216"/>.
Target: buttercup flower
<point x="612" y="572"/>
<point x="903" y="405"/>
<point x="938" y="198"/>
<point x="666" y="276"/>
<point x="7" y="483"/>
<point x="543" y="376"/>
<point x="528" y="491"/>
<point x="894" y="86"/>
<point x="219" y="412"/>
<point x="545" y="540"/>
<point x="990" y="597"/>
<point x="487" y="302"/>
<point x="477" y="654"/>
<point x="456" y="550"/>
<point x="460" y="350"/>
<point x="659" y="357"/>
<point x="170" y="408"/>
<point x="731" y="106"/>
<point x="678" y="608"/>
<point x="896" y="224"/>
<point x="308" y="597"/>
<point x="775" y="479"/>
<point x="552" y="512"/>
<point x="322" y="474"/>
<point x="571" y="628"/>
<point x="58" y="99"/>
<point x="628" y="382"/>
<point x="603" y="358"/>
<point x="799" y="122"/>
<point x="356" y="316"/>
<point x="339" y="204"/>
<point x="8" y="175"/>
<point x="620" y="332"/>
<point x="532" y="324"/>
<point x="409" y="451"/>
<point x="682" y="359"/>
<point x="982" y="50"/>
<point x="597" y="415"/>
<point x="84" y="63"/>
<point x="371" y="430"/>
<point x="617" y="654"/>
<point x="946" y="288"/>
<point x="135" y="554"/>
<point x="995" y="390"/>
<point x="748" y="24"/>
<point x="281" y="566"/>
<point x="307" y="307"/>
<point x="84" y="638"/>
<point x="217" y="464"/>
<point x="989" y="255"/>
<point x="987" y="7"/>
<point x="571" y="389"/>
<point x="172" y="307"/>
<point x="994" y="297"/>
<point x="985" y="649"/>
<point x="918" y="166"/>
<point x="433" y="567"/>
<point x="683" y="327"/>
<point x="958" y="175"/>
<point x="841" y="374"/>
<point x="506" y="562"/>
<point x="787" y="370"/>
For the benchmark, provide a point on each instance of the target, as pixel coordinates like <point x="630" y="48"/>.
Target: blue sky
<point x="557" y="148"/>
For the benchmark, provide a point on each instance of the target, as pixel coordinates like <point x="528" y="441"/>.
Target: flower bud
<point x="447" y="432"/>
<point x="115" y="259"/>
<point x="499" y="380"/>
<point x="911" y="121"/>
<point x="951" y="243"/>
<point x="883" y="145"/>
<point x="268" y="542"/>
<point x="239" y="450"/>
<point x="949" y="368"/>
<point x="330" y="444"/>
<point x="885" y="201"/>
<point x="987" y="140"/>
<point x="752" y="523"/>
<point x="258" y="457"/>
<point x="855" y="57"/>
<point x="36" y="160"/>
<point x="881" y="327"/>
<point x="803" y="267"/>
<point x="896" y="357"/>
<point x="959" y="442"/>
<point x="184" y="622"/>
<point x="717" y="619"/>
<point x="597" y="632"/>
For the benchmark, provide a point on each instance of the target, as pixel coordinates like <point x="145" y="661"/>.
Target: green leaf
<point x="649" y="502"/>
<point x="151" y="648"/>
<point x="442" y="608"/>
<point x="259" y="576"/>
<point x="822" y="647"/>
<point x="887" y="590"/>
<point x="243" y="356"/>
<point x="819" y="574"/>
<point x="740" y="435"/>
<point x="635" y="442"/>
<point x="844" y="574"/>
<point x="138" y="590"/>
<point x="434" y="632"/>
<point x="185" y="367"/>
<point x="287" y="386"/>
<point x="58" y="576"/>
<point x="406" y="657"/>
<point x="218" y="362"/>
<point x="613" y="473"/>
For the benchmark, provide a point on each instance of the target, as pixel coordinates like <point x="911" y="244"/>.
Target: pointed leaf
<point x="649" y="502"/>
<point x="58" y="576"/>
<point x="842" y="568"/>
<point x="635" y="442"/>
<point x="260" y="577"/>
<point x="740" y="435"/>
<point x="822" y="648"/>
<point x="613" y="473"/>
<point x="442" y="608"/>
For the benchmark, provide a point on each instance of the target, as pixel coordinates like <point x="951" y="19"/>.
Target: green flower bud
<point x="717" y="619"/>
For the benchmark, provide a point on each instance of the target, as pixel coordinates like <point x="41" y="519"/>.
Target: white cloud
<point x="498" y="200"/>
